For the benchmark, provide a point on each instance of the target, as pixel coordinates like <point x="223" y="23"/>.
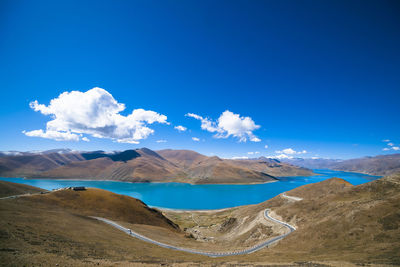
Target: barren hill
<point x="337" y="220"/>
<point x="379" y="165"/>
<point x="12" y="189"/>
<point x="143" y="165"/>
<point x="337" y="225"/>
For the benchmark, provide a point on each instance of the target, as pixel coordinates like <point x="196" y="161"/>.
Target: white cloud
<point x="386" y="140"/>
<point x="85" y="139"/>
<point x="243" y="157"/>
<point x="195" y="139"/>
<point x="55" y="135"/>
<point x="386" y="149"/>
<point x="396" y="148"/>
<point x="290" y="151"/>
<point x="390" y="144"/>
<point x="253" y="153"/>
<point x="282" y="156"/>
<point x="96" y="113"/>
<point x="161" y="141"/>
<point x="180" y="128"/>
<point x="266" y="146"/>
<point x="229" y="124"/>
<point x="206" y="124"/>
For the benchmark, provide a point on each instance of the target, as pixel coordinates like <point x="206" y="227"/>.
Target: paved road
<point x="210" y="254"/>
<point x="290" y="197"/>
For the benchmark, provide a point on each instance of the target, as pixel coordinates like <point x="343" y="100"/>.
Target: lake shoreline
<point x="184" y="197"/>
<point x="133" y="182"/>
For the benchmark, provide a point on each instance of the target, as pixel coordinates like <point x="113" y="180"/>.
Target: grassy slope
<point x="12" y="189"/>
<point x="102" y="203"/>
<point x="339" y="221"/>
<point x="36" y="233"/>
<point x="336" y="222"/>
<point x="55" y="228"/>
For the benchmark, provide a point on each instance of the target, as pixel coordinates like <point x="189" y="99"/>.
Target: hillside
<point x="12" y="189"/>
<point x="379" y="165"/>
<point x="336" y="220"/>
<point x="337" y="224"/>
<point x="54" y="229"/>
<point x="197" y="165"/>
<point x="26" y="164"/>
<point x="143" y="165"/>
<point x="272" y="167"/>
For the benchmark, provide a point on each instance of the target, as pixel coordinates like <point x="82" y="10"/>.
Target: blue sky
<point x="319" y="76"/>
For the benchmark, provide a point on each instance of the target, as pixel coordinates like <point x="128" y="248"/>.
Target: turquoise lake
<point x="187" y="196"/>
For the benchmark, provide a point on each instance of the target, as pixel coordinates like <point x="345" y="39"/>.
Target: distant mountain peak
<point x="116" y="156"/>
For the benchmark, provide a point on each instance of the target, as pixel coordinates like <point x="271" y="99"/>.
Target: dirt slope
<point x="12" y="189"/>
<point x="338" y="221"/>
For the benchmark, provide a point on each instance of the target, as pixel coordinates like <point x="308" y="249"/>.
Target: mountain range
<point x="144" y="165"/>
<point x="379" y="165"/>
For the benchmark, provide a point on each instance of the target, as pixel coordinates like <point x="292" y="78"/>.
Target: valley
<point x="334" y="220"/>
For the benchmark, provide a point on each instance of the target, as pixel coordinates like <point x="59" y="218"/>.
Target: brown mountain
<point x="28" y="164"/>
<point x="144" y="165"/>
<point x="197" y="165"/>
<point x="379" y="165"/>
<point x="336" y="220"/>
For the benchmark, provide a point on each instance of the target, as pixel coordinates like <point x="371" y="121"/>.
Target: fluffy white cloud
<point x="386" y="140"/>
<point x="229" y="124"/>
<point x="396" y="148"/>
<point x="180" y="128"/>
<point x="266" y="146"/>
<point x="290" y="151"/>
<point x="390" y="144"/>
<point x="206" y="124"/>
<point x="85" y="139"/>
<point x="195" y="139"/>
<point x="161" y="141"/>
<point x="386" y="149"/>
<point x="55" y="135"/>
<point x="253" y="153"/>
<point x="96" y="113"/>
<point x="282" y="156"/>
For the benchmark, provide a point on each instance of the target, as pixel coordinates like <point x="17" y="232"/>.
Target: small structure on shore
<point x="79" y="188"/>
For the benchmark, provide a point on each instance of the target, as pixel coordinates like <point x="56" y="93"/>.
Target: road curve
<point x="291" y="197"/>
<point x="209" y="254"/>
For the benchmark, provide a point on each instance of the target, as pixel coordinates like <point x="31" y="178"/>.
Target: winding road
<point x="24" y="195"/>
<point x="209" y="254"/>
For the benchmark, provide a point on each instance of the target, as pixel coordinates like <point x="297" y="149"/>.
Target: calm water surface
<point x="186" y="196"/>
